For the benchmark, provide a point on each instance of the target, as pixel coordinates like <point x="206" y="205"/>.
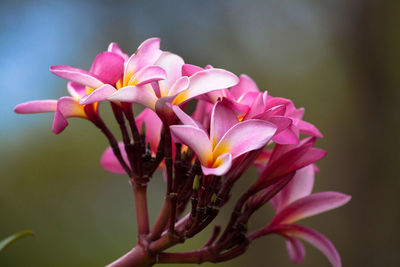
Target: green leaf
<point x="11" y="239"/>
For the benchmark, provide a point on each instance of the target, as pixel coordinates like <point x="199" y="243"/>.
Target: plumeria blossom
<point x="295" y="202"/>
<point x="110" y="69"/>
<point x="153" y="128"/>
<point x="137" y="70"/>
<point x="249" y="102"/>
<point x="175" y="89"/>
<point x="202" y="156"/>
<point x="228" y="138"/>
<point x="64" y="108"/>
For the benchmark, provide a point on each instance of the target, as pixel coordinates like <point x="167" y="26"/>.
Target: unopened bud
<point x="196" y="183"/>
<point x="213" y="198"/>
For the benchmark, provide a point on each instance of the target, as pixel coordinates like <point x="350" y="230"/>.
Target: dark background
<point x="338" y="59"/>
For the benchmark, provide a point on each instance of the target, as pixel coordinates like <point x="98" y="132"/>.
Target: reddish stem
<point x="142" y="216"/>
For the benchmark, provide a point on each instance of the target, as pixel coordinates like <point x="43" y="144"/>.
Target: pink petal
<point x="278" y="101"/>
<point x="309" y="206"/>
<point x="309" y="129"/>
<point x="288" y="136"/>
<point x="114" y="47"/>
<point x="179" y="85"/>
<point x="318" y="240"/>
<point x="189" y="69"/>
<point x="172" y="64"/>
<point x="291" y="161"/>
<point x="238" y="109"/>
<point x="246" y="84"/>
<point x="201" y="112"/>
<point x="153" y="127"/>
<point x="280" y="150"/>
<point x="257" y="107"/>
<point x="66" y="107"/>
<point x="262" y="160"/>
<point x="194" y="138"/>
<point x="186" y="119"/>
<point x="76" y="75"/>
<point x="110" y="163"/>
<point x="248" y="98"/>
<point x="108" y="67"/>
<point x="99" y="94"/>
<point x="76" y="90"/>
<point x="147" y="75"/>
<point x="224" y="164"/>
<point x="142" y="95"/>
<point x="222" y="119"/>
<point x="295" y="249"/>
<point x="38" y="106"/>
<point x="300" y="186"/>
<point x="147" y="54"/>
<point x="206" y="81"/>
<point x="244" y="137"/>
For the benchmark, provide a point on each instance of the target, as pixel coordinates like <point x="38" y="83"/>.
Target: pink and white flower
<point x="295" y="202"/>
<point x="228" y="138"/>
<point x="175" y="88"/>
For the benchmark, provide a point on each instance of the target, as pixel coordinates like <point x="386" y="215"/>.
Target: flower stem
<point x="142" y="216"/>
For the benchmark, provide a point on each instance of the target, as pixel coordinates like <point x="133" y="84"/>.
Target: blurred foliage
<point x="339" y="59"/>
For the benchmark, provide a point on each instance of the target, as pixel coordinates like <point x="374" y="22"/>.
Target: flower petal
<point x="172" y="64"/>
<point x="206" y="81"/>
<point x="246" y="84"/>
<point x="186" y="119"/>
<point x="223" y="162"/>
<point x="309" y="129"/>
<point x="38" y="106"/>
<point x="295" y="249"/>
<point x="66" y="107"/>
<point x="179" y="85"/>
<point x="189" y="69"/>
<point x="114" y="47"/>
<point x="100" y="94"/>
<point x="309" y="206"/>
<point x="222" y="119"/>
<point x="76" y="75"/>
<point x="76" y="90"/>
<point x="147" y="53"/>
<point x="153" y="127"/>
<point x="288" y="136"/>
<point x="194" y="138"/>
<point x="244" y="137"/>
<point x="257" y="107"/>
<point x="147" y="75"/>
<point x="142" y="95"/>
<point x="108" y="67"/>
<point x="110" y="163"/>
<point x="318" y="240"/>
<point x="300" y="186"/>
<point x="203" y="107"/>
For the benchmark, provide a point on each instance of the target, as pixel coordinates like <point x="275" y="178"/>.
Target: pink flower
<point x="246" y="100"/>
<point x="109" y="70"/>
<point x="228" y="138"/>
<point x="107" y="67"/>
<point x="136" y="71"/>
<point x="175" y="89"/>
<point x="286" y="159"/>
<point x="295" y="202"/>
<point x="153" y="128"/>
<point x="64" y="108"/>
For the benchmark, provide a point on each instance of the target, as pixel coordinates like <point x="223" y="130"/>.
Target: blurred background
<point x="338" y="59"/>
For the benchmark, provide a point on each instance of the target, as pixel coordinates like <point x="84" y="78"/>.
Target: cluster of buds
<point x="234" y="126"/>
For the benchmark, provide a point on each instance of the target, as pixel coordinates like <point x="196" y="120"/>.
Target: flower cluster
<point x="234" y="126"/>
